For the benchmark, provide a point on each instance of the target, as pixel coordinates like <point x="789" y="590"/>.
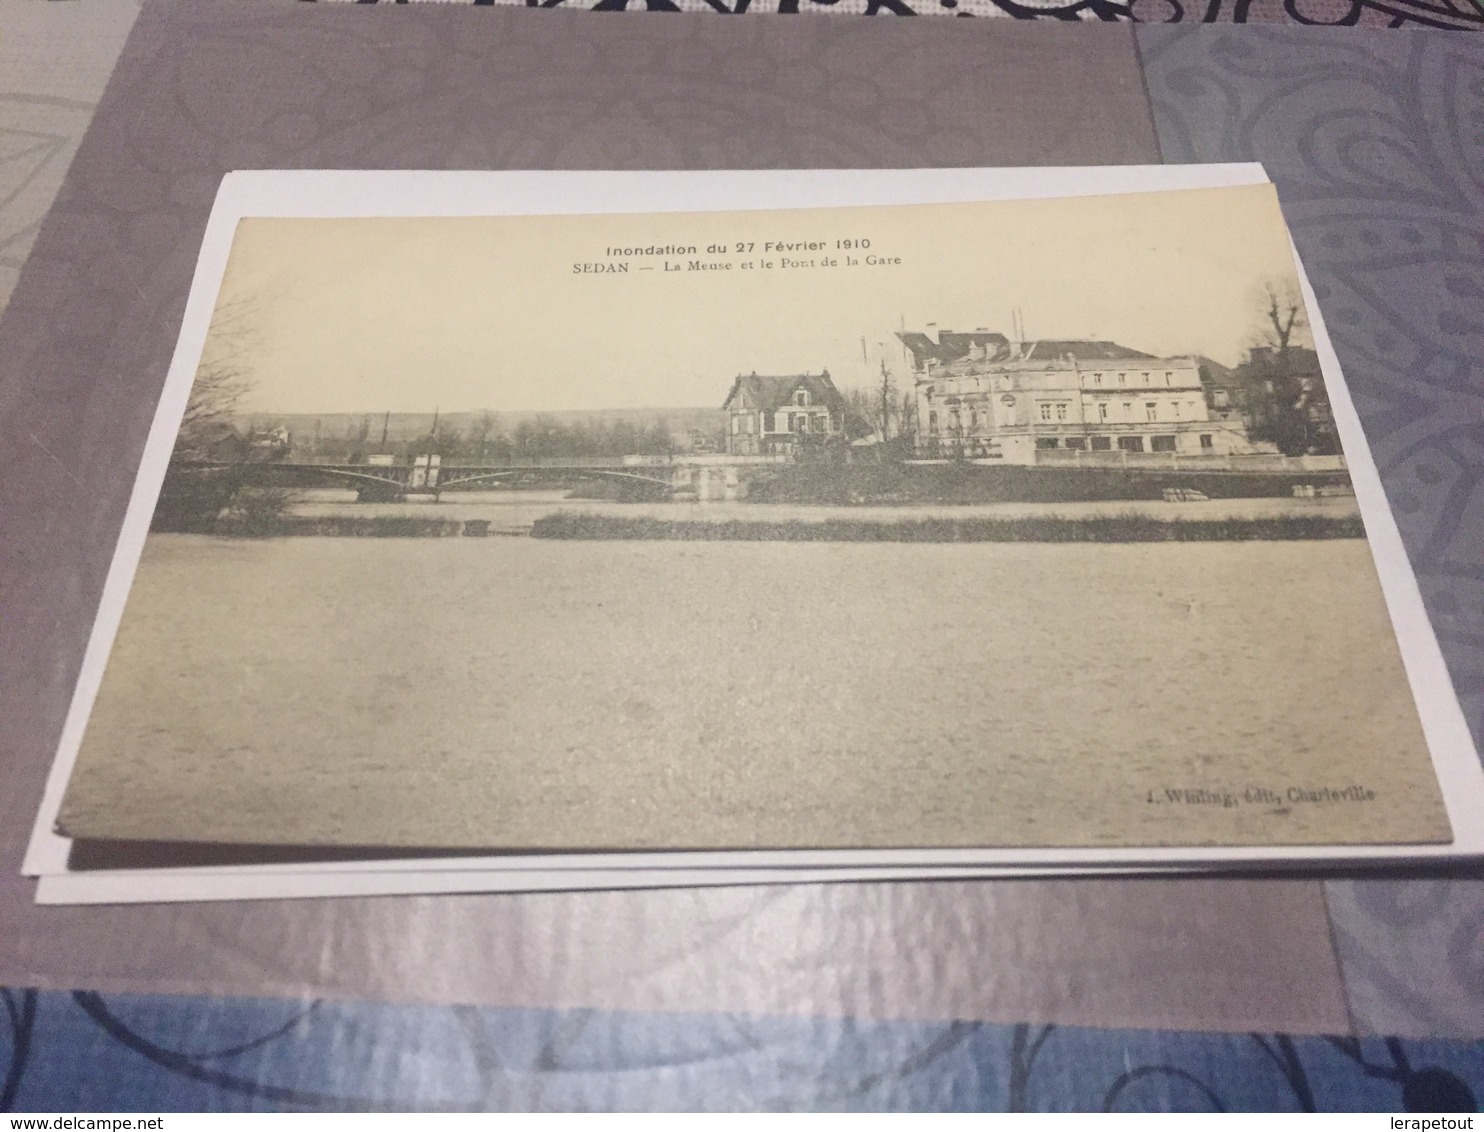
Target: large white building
<point x="980" y="396"/>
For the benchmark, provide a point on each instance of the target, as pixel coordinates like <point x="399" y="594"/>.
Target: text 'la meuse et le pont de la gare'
<point x="739" y="255"/>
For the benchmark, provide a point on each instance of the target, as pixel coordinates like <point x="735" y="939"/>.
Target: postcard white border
<point x="371" y="194"/>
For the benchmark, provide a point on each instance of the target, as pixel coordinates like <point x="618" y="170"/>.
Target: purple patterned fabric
<point x="1461" y="14"/>
<point x="1374" y="142"/>
<point x="117" y="1053"/>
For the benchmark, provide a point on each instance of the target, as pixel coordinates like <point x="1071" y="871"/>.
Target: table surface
<point x="1387" y="207"/>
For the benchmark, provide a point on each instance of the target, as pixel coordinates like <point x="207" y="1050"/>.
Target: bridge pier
<point x="374" y="493"/>
<point x="709" y="482"/>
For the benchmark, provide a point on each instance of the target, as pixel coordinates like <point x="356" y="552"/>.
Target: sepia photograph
<point x="1011" y="524"/>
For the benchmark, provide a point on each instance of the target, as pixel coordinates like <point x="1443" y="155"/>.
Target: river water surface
<point x="526" y="693"/>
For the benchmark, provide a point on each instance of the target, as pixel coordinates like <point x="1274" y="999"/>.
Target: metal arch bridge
<point x="450" y="476"/>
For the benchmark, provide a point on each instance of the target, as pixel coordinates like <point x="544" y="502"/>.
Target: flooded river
<point x="527" y="693"/>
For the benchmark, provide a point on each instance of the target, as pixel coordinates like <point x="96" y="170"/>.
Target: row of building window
<point x="796" y="422"/>
<point x="1058" y="410"/>
<point x="1005" y="383"/>
<point x="1053" y="411"/>
<point x="1123" y="443"/>
<point x="1151" y="411"/>
<point x="1148" y="378"/>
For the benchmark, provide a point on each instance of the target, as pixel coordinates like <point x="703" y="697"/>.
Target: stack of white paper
<point x="567" y="530"/>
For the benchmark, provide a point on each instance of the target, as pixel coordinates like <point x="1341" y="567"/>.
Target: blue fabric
<point x="79" y="1051"/>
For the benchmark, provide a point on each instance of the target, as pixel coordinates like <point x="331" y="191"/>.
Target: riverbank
<point x="1129" y="527"/>
<point x="962" y="483"/>
<point x="556" y="518"/>
<point x="353" y="526"/>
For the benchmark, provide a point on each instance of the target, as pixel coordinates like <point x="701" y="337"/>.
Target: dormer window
<point x="801" y="397"/>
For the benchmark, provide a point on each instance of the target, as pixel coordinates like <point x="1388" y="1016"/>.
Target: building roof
<point x="1084" y="350"/>
<point x="1213" y="372"/>
<point x="953" y="345"/>
<point x="776" y="391"/>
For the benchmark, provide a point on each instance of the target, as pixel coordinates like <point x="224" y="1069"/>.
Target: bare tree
<point x="195" y="495"/>
<point x="1280" y="413"/>
<point x="223" y="378"/>
<point x="908" y="414"/>
<point x="957" y="433"/>
<point x="875" y="405"/>
<point x="886" y="397"/>
<point x="1283" y="316"/>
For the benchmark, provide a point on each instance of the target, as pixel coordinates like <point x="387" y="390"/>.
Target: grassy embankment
<point x="1128" y="527"/>
<point x="866" y="484"/>
<point x="351" y="526"/>
<point x="1050" y="528"/>
<point x="856" y="484"/>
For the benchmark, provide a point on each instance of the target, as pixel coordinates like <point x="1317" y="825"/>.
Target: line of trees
<point x="542" y="436"/>
<point x="487" y="440"/>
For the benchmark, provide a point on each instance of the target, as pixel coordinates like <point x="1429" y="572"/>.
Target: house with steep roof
<point x="769" y="414"/>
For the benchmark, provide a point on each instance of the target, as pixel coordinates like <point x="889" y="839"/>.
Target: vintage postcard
<point x="1017" y="525"/>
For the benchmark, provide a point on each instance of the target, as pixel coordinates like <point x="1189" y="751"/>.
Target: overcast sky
<point x="487" y="313"/>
